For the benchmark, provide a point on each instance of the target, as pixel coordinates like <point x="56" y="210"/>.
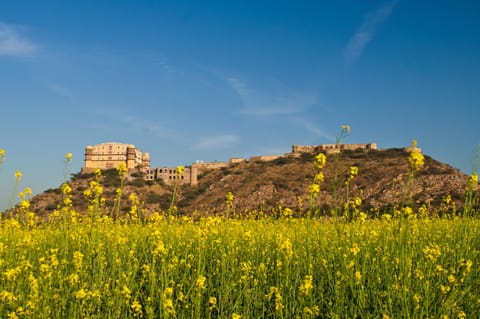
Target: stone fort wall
<point x="110" y="155"/>
<point x="331" y="148"/>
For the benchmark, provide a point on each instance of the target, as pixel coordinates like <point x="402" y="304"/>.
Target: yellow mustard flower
<point x="287" y="247"/>
<point x="168" y="301"/>
<point x="2" y="155"/>
<point x="27" y="191"/>
<point x="287" y="212"/>
<point x="126" y="292"/>
<point x="122" y="169"/>
<point x="319" y="177"/>
<point x="345" y="129"/>
<point x="12" y="315"/>
<point x="472" y="182"/>
<point x="7" y="297"/>
<point x="68" y="157"/>
<point x="320" y="161"/>
<point x="355" y="249"/>
<point x="212" y="301"/>
<point x="230" y="197"/>
<point x="307" y="286"/>
<point x="416" y="158"/>
<point x="77" y="260"/>
<point x="180" y="170"/>
<point x="314" y="190"/>
<point x="358" y="276"/>
<point x="66" y="189"/>
<point x="353" y="172"/>
<point x="201" y="283"/>
<point x="81" y="294"/>
<point x="136" y="308"/>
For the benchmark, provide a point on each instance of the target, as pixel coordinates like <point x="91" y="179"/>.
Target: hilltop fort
<point x="110" y="155"/>
<point x="262" y="183"/>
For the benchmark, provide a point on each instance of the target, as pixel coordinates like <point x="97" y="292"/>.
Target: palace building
<point x="112" y="154"/>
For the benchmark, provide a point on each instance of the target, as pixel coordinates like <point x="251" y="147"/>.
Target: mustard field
<point x="225" y="268"/>
<point x="411" y="262"/>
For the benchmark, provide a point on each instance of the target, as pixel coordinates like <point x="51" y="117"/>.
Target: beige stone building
<point x="112" y="154"/>
<point x="170" y="175"/>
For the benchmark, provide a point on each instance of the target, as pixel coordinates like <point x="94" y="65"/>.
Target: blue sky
<point x="209" y="80"/>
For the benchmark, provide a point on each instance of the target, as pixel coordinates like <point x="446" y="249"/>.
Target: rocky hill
<point x="382" y="183"/>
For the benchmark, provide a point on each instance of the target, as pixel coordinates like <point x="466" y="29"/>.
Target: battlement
<point x="203" y="166"/>
<point x="264" y="158"/>
<point x="331" y="148"/>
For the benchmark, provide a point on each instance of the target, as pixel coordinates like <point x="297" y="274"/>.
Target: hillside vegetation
<point x="264" y="187"/>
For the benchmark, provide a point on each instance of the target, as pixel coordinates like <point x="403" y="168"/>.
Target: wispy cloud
<point x="364" y="34"/>
<point x="215" y="142"/>
<point x="119" y="119"/>
<point x="239" y="87"/>
<point x="269" y="102"/>
<point x="147" y="127"/>
<point x="270" y="111"/>
<point x="310" y="127"/>
<point x="12" y="43"/>
<point x="166" y="67"/>
<point x="60" y="90"/>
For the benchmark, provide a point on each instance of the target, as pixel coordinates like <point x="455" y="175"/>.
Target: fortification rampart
<point x="203" y="166"/>
<point x="110" y="155"/>
<point x="264" y="158"/>
<point x="331" y="148"/>
<point x="237" y="160"/>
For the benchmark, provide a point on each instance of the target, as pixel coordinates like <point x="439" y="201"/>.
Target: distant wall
<point x="331" y="148"/>
<point x="303" y="149"/>
<point x="202" y="166"/>
<point x="236" y="160"/>
<point x="264" y="158"/>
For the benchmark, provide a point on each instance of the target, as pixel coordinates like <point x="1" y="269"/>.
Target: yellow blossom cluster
<point x="416" y="158"/>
